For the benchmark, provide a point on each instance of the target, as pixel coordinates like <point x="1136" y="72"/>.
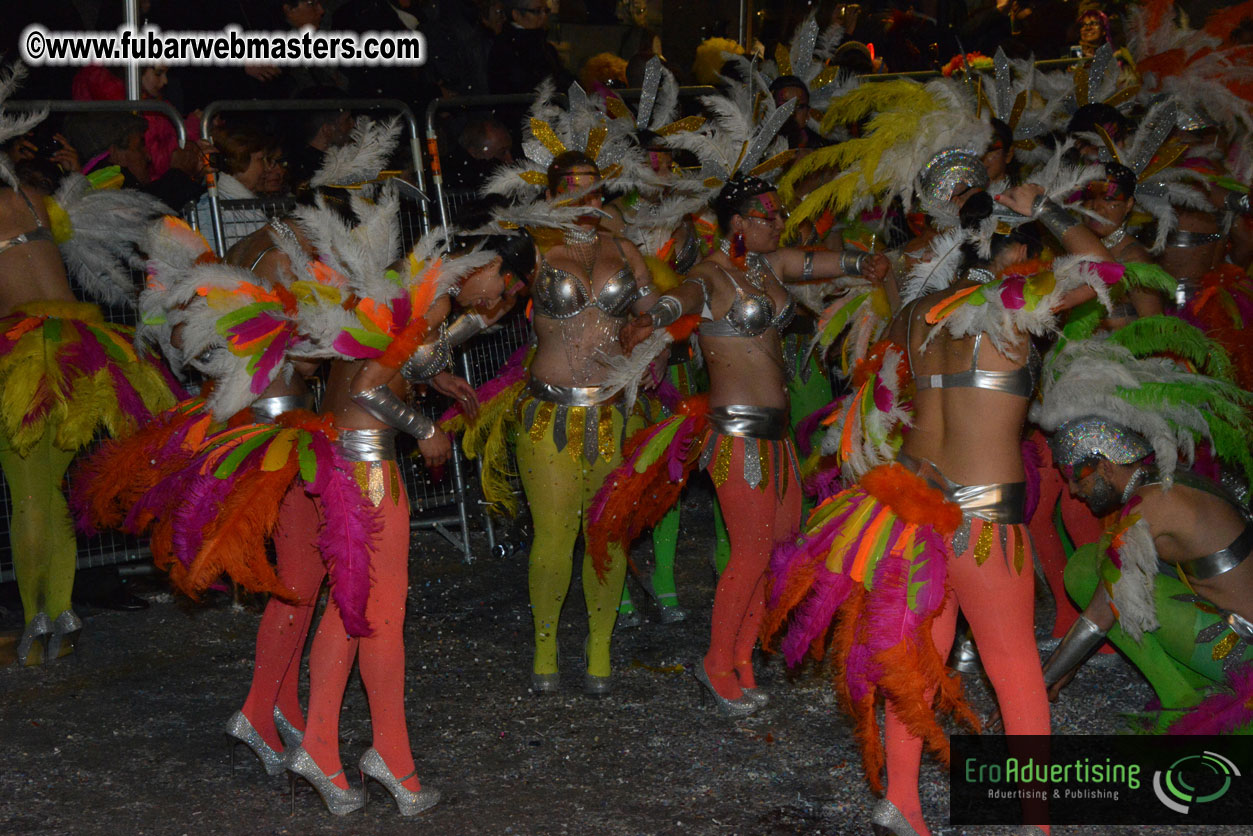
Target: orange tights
<point x="281" y="636"/>
<point x="756" y="519"/>
<point x="1000" y="606"/>
<point x="382" y="655"/>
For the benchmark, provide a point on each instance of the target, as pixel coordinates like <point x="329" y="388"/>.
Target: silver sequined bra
<point x="1019" y="382"/>
<point x="559" y="294"/>
<point x="750" y="315"/>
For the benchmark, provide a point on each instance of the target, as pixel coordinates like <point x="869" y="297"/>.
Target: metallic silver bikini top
<point x="750" y="315"/>
<point x="1018" y="382"/>
<point x="559" y="294"/>
<point x="1224" y="560"/>
<point x="39" y="233"/>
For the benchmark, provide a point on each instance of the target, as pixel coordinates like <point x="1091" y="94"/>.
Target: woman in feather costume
<point x="877" y="562"/>
<point x="64" y="371"/>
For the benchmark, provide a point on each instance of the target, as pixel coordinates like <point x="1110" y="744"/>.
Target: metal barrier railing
<point x="272" y="105"/>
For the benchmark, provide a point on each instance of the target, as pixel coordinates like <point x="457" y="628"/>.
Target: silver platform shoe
<point x="408" y="802"/>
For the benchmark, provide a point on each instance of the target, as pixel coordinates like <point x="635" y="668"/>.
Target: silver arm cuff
<point x="1054" y="218"/>
<point x="464" y="327"/>
<point x="807" y="266"/>
<point x="428" y="359"/>
<point x="852" y="262"/>
<point x="1238" y="203"/>
<point x="385" y="405"/>
<point x="665" y="311"/>
<point x="1082" y="638"/>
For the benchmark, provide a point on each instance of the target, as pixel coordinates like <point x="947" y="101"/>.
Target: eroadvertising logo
<point x="1172" y="787"/>
<point x="1099" y="779"/>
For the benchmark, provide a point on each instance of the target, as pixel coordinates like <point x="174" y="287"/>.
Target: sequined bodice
<point x="559" y="294"/>
<point x="750" y="315"/>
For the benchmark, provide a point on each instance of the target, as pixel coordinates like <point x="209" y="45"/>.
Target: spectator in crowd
<point x="314" y="133"/>
<point x="1093" y="28"/>
<point x="407" y="82"/>
<point x="247" y="155"/>
<point x="105" y="139"/>
<point x="521" y="55"/>
<point x="460" y="37"/>
<point x="96" y="83"/>
<point x="482" y="145"/>
<point x="796" y="131"/>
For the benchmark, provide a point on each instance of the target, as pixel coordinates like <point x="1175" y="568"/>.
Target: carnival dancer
<point x="64" y="371"/>
<point x="571" y="415"/>
<point x="1123" y="451"/>
<point x="879" y="559"/>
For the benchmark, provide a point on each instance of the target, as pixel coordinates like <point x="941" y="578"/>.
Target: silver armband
<point x="1238" y="203"/>
<point x="385" y="405"/>
<point x="807" y="266"/>
<point x="1054" y="218"/>
<point x="428" y="359"/>
<point x="464" y="328"/>
<point x="1082" y="638"/>
<point x="852" y="262"/>
<point x="665" y="311"/>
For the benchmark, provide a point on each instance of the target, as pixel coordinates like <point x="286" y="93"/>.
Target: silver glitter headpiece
<point x="946" y="171"/>
<point x="1084" y="439"/>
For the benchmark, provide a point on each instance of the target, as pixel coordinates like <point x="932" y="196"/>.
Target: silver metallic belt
<point x="1221" y="561"/>
<point x="367" y="445"/>
<point x="571" y="395"/>
<point x="764" y="422"/>
<point x="1004" y="503"/>
<point x="267" y="410"/>
<point x="1182" y="238"/>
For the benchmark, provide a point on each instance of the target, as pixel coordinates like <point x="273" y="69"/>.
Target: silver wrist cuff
<point x="1054" y="218"/>
<point x="852" y="262"/>
<point x="807" y="267"/>
<point x="1082" y="638"/>
<point x="465" y="327"/>
<point x="1238" y="203"/>
<point x="665" y="311"/>
<point x="385" y="405"/>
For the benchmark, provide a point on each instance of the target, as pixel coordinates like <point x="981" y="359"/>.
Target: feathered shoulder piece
<point x="550" y="130"/>
<point x="173" y="249"/>
<point x="238" y="330"/>
<point x="362" y="158"/>
<point x="1128" y="571"/>
<point x="867" y="428"/>
<point x="358" y="300"/>
<point x="861" y="314"/>
<point x="14" y="125"/>
<point x="1173" y="409"/>
<point x="1021" y="301"/>
<point x="100" y="233"/>
<point x="909" y="125"/>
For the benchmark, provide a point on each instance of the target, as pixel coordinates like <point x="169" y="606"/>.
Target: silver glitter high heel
<point x="887" y="820"/>
<point x="739" y="707"/>
<point x="291" y="735"/>
<point x="408" y="802"/>
<point x="668" y="608"/>
<point x="593" y="685"/>
<point x="757" y="695"/>
<point x="239" y="729"/>
<point x="34" y="636"/>
<point x="339" y="801"/>
<point x="65" y="632"/>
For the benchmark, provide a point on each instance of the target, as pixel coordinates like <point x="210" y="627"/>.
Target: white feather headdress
<point x="13" y="125"/>
<point x="362" y="158"/>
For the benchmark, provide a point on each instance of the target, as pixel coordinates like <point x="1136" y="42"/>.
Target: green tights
<point x="559" y="489"/>
<point x="1176" y="666"/>
<point x="40" y="532"/>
